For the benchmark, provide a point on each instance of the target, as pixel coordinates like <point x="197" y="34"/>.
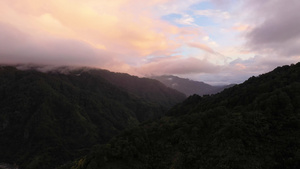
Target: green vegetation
<point x="254" y="125"/>
<point x="47" y="119"/>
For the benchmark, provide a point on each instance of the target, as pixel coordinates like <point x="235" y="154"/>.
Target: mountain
<point x="189" y="87"/>
<point x="144" y="88"/>
<point x="252" y="125"/>
<point x="47" y="119"/>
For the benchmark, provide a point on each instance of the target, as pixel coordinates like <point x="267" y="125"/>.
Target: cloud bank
<point x="278" y="29"/>
<point x="220" y="41"/>
<point x="20" y="48"/>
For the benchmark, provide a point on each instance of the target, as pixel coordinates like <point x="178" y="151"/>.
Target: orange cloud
<point x="203" y="47"/>
<point x="240" y="66"/>
<point x="177" y="65"/>
<point x="120" y="25"/>
<point x="99" y="33"/>
<point x="241" y="27"/>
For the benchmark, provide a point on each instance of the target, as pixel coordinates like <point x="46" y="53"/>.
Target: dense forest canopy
<point x="253" y="125"/>
<point x="47" y="119"/>
<point x="90" y="119"/>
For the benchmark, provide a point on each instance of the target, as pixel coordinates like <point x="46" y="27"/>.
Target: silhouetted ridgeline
<point x="254" y="125"/>
<point x="47" y="119"/>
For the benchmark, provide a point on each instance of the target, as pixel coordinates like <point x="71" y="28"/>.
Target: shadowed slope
<point x="49" y="118"/>
<point x="249" y="126"/>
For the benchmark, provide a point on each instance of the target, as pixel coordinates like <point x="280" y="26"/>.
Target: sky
<point x="215" y="41"/>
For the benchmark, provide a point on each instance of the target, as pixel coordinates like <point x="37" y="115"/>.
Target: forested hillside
<point x="47" y="119"/>
<point x="254" y="125"/>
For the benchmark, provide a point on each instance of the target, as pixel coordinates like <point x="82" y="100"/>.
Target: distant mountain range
<point x="49" y="118"/>
<point x="189" y="87"/>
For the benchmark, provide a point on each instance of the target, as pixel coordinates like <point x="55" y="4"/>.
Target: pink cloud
<point x="119" y="27"/>
<point x="19" y="47"/>
<point x="121" y="35"/>
<point x="102" y="33"/>
<point x="202" y="47"/>
<point x="178" y="65"/>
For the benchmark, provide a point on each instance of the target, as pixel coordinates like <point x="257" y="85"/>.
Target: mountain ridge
<point x="49" y="118"/>
<point x="251" y="125"/>
<point x="190" y="87"/>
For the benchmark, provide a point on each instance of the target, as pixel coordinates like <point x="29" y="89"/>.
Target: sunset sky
<point x="215" y="41"/>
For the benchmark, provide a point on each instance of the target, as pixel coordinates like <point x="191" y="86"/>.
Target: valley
<point x="90" y="118"/>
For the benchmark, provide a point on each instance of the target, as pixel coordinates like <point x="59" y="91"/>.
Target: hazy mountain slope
<point x="50" y="118"/>
<point x="189" y="87"/>
<point x="148" y="89"/>
<point x="249" y="126"/>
